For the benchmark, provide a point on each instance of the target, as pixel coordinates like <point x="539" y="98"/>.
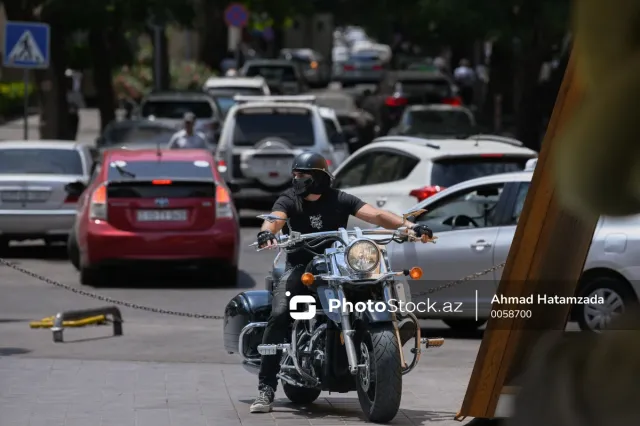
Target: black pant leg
<point x="278" y="324"/>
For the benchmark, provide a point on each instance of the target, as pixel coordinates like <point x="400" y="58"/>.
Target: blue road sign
<point x="236" y="15"/>
<point x="26" y="45"/>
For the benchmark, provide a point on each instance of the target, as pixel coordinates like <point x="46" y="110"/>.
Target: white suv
<point x="260" y="138"/>
<point x="395" y="172"/>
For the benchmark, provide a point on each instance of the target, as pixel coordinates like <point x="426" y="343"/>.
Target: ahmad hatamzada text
<point x="544" y="299"/>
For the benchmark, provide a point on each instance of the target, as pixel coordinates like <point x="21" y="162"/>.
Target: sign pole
<point x="26" y="104"/>
<point x="236" y="17"/>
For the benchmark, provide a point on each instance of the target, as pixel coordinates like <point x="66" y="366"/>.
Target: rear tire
<point x="299" y="395"/>
<point x="379" y="386"/>
<point x="73" y="251"/>
<point x="91" y="276"/>
<point x="463" y="325"/>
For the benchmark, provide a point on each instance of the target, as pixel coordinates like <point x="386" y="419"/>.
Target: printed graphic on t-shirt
<point x="316" y="221"/>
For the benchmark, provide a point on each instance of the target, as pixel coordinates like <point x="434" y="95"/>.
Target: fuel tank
<point x="247" y="307"/>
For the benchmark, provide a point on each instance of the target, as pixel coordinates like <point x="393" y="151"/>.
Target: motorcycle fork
<point x="388" y="296"/>
<point x="348" y="332"/>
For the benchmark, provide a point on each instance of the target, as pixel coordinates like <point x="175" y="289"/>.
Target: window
<point x="159" y="170"/>
<point x="45" y="161"/>
<point x="523" y="190"/>
<point x="175" y="109"/>
<point x="353" y="174"/>
<point x="470" y="208"/>
<point x="273" y="73"/>
<point x="451" y="171"/>
<point x="430" y="122"/>
<point x="255" y="124"/>
<point x="389" y="167"/>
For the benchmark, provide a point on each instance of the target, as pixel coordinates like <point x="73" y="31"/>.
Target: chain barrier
<point x="107" y="299"/>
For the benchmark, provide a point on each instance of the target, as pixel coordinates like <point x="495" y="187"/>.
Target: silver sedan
<point x="39" y="190"/>
<point x="476" y="221"/>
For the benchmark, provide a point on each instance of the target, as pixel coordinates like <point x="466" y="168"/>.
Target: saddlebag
<point x="247" y="307"/>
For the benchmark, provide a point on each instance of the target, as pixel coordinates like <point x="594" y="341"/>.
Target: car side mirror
<point x="75" y="188"/>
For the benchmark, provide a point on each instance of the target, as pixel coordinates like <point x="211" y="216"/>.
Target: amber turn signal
<point x="308" y="279"/>
<point x="415" y="273"/>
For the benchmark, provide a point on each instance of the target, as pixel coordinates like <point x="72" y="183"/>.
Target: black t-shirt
<point x="329" y="213"/>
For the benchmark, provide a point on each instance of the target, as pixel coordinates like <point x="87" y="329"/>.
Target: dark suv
<point x="405" y="88"/>
<point x="283" y="77"/>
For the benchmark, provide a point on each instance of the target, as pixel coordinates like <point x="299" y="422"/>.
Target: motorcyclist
<point x="311" y="205"/>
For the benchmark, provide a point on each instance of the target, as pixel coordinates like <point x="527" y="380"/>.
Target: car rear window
<point x="273" y="73"/>
<point x="294" y="125"/>
<point x="440" y="87"/>
<point x="438" y="122"/>
<point x="451" y="171"/>
<point x="138" y="134"/>
<point x="40" y="161"/>
<point x="366" y="56"/>
<point x="233" y="91"/>
<point x="119" y="170"/>
<point x="176" y="109"/>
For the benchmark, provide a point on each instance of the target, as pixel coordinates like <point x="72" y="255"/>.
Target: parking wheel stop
<point x="81" y="318"/>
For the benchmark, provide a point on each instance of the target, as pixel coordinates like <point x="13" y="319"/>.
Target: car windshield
<point x="175" y="109"/>
<point x="340" y="103"/>
<point x="134" y="134"/>
<point x="439" y="87"/>
<point x="252" y="125"/>
<point x="282" y="73"/>
<point x="451" y="171"/>
<point x="159" y="170"/>
<point x="434" y="122"/>
<point x="44" y="161"/>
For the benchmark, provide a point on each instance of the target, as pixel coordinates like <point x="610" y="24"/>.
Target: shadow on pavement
<point x="336" y="409"/>
<point x="172" y="279"/>
<point x="448" y="333"/>
<point x="57" y="252"/>
<point x="13" y="351"/>
<point x="250" y="222"/>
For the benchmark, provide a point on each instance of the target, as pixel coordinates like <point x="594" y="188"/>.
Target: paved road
<point x="168" y="370"/>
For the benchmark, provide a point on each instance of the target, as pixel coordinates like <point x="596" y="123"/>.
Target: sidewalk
<point x="46" y="392"/>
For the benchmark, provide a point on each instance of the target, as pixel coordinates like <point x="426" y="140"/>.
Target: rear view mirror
<point x="413" y="215"/>
<point x="270" y="217"/>
<point x="75" y="188"/>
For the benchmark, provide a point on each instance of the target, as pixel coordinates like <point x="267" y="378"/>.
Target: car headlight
<point x="363" y="256"/>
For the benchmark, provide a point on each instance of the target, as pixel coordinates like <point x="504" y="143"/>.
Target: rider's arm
<point x="381" y="218"/>
<point x="274" y="227"/>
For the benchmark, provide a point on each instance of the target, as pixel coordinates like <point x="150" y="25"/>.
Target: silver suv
<point x="260" y="138"/>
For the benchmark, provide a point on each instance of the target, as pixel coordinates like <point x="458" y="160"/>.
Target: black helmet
<point x="310" y="161"/>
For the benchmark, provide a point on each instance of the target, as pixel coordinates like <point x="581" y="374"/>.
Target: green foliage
<point x="12" y="98"/>
<point x="189" y="75"/>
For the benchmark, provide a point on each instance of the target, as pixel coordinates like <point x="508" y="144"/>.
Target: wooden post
<point x="547" y="256"/>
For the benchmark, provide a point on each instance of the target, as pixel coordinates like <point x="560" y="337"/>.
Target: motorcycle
<point x="337" y="349"/>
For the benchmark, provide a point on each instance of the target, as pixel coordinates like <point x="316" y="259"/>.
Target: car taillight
<point x="455" y="101"/>
<point x="395" y="101"/>
<point x="161" y="182"/>
<point x="224" y="206"/>
<point x="222" y="166"/>
<point x="377" y="67"/>
<point x="425" y="192"/>
<point x="349" y="68"/>
<point x="98" y="206"/>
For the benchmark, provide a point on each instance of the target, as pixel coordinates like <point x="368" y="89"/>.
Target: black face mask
<point x="303" y="186"/>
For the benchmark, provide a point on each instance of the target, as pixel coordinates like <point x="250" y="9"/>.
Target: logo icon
<point x="299" y="300"/>
<point x="162" y="202"/>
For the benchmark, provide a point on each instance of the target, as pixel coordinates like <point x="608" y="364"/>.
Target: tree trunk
<point x="163" y="80"/>
<point x="54" y="109"/>
<point x="212" y="34"/>
<point x="102" y="66"/>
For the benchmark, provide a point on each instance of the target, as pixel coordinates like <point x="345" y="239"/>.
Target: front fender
<point x="375" y="316"/>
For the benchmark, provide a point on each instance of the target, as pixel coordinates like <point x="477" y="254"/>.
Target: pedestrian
<point x="188" y="138"/>
<point x="75" y="101"/>
<point x="465" y="77"/>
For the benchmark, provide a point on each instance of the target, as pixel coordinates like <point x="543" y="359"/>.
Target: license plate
<point x="162" y="215"/>
<point x="22" y="196"/>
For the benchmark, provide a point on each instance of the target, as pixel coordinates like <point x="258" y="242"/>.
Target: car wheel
<point x="73" y="251"/>
<point x="464" y="324"/>
<point x="618" y="297"/>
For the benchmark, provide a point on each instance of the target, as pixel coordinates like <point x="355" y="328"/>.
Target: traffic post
<point x="236" y="16"/>
<point x="26" y="46"/>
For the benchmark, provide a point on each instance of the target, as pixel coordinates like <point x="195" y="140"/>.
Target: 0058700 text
<point x="511" y="313"/>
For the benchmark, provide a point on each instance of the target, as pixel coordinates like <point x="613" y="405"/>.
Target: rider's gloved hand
<point x="424" y="232"/>
<point x="266" y="239"/>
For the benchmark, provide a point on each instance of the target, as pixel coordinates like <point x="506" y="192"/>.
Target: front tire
<point x="299" y="395"/>
<point x="73" y="251"/>
<point x="379" y="385"/>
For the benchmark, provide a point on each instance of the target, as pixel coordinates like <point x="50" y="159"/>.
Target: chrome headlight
<point x="363" y="256"/>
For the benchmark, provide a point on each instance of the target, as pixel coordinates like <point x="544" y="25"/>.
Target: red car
<point x="145" y="208"/>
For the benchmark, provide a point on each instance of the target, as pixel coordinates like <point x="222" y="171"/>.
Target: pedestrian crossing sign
<point x="26" y="45"/>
